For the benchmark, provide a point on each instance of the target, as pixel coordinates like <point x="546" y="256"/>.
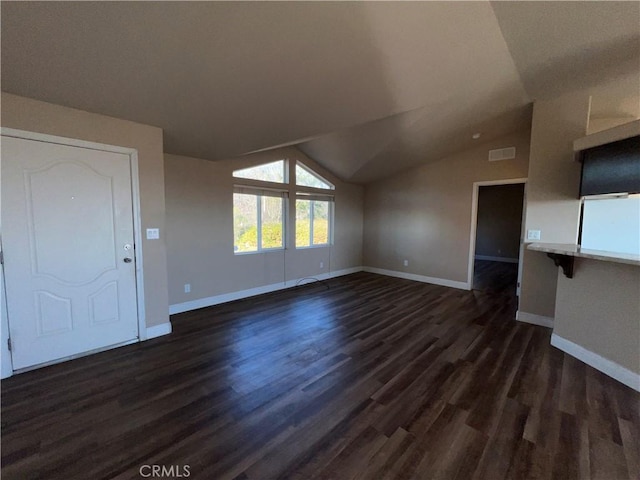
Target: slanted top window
<point x="268" y="172"/>
<point x="307" y="178"/>
<point x="260" y="207"/>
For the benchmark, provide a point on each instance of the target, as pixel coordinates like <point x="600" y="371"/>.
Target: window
<point x="312" y="221"/>
<point x="307" y="178"/>
<point x="257" y="220"/>
<point x="260" y="207"/>
<point x="269" y="172"/>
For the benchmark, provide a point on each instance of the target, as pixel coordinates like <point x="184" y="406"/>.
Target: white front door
<point x="67" y="234"/>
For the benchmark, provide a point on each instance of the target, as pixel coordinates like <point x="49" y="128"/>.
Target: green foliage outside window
<point x="258" y="218"/>
<point x="271" y="238"/>
<point x="320" y="232"/>
<point x="246" y="222"/>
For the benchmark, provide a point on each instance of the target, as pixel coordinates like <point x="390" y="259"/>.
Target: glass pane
<point x="245" y="222"/>
<point x="307" y="179"/>
<point x="303" y="225"/>
<point x="271" y="222"/>
<point x="269" y="172"/>
<point x="320" y="222"/>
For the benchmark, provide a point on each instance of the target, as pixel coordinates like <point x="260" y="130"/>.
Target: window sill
<point x="264" y="250"/>
<point x="324" y="245"/>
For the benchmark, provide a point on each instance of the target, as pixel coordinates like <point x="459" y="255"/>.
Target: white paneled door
<point x="68" y="242"/>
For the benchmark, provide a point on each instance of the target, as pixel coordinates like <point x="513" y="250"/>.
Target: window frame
<point x="330" y="219"/>
<point x="260" y="193"/>
<point x="285" y="173"/>
<point x="290" y="192"/>
<point x="298" y="163"/>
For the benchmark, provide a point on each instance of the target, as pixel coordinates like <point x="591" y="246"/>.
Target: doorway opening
<point x="497" y="237"/>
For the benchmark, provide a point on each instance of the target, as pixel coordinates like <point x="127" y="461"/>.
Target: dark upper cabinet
<point x="611" y="168"/>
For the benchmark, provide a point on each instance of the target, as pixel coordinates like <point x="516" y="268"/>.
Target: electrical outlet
<point x="321" y="264"/>
<point x="406" y="263"/>
<point x="533" y="234"/>
<point x="187" y="288"/>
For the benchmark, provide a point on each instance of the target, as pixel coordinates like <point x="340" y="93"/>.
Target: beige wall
<point x="499" y="220"/>
<point x="553" y="206"/>
<point x="35" y="116"/>
<point x="424" y="214"/>
<point x="599" y="124"/>
<point x="599" y="309"/>
<point x="199" y="197"/>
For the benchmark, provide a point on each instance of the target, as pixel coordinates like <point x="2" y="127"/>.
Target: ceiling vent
<point x="502" y="154"/>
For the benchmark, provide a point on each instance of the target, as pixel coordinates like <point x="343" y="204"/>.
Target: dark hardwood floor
<point x="372" y="378"/>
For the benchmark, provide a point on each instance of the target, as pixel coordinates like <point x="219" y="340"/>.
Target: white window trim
<point x="290" y="192"/>
<point x="260" y="193"/>
<point x="285" y="173"/>
<point x="330" y="213"/>
<point x="314" y="174"/>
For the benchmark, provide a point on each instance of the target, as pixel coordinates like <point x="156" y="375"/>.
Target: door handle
<point x="127" y="260"/>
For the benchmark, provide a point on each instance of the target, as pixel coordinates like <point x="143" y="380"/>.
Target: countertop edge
<point x="576" y="251"/>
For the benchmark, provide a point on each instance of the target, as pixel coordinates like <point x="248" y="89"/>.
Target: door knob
<point x="127" y="260"/>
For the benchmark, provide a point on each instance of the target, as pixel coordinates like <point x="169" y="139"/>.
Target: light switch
<point x="153" y="233"/>
<point x="533" y="234"/>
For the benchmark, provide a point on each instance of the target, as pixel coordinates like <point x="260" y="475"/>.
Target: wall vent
<point x="502" y="154"/>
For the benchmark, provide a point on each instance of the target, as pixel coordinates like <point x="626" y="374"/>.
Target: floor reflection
<point x="263" y="356"/>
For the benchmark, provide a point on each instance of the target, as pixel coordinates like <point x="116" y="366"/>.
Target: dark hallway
<point x="495" y="277"/>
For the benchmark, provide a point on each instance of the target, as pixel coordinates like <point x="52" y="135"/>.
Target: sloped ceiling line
<point x="365" y="88"/>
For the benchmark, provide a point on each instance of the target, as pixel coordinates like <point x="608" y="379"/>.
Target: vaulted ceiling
<point x="364" y="88"/>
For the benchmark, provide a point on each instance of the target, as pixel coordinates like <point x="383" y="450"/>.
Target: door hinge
<point x="9" y="343"/>
<point x="1" y="257"/>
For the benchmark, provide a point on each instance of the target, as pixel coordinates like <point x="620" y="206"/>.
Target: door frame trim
<point x="474" y="221"/>
<point x="135" y="200"/>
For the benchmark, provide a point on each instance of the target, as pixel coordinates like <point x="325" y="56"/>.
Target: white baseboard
<point x="608" y="367"/>
<point x="419" y="278"/>
<point x="252" y="292"/>
<point x="534" y="319"/>
<point x="158" y="330"/>
<point x="496" y="259"/>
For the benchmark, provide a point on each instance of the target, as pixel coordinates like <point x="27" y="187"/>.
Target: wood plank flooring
<point x="361" y="377"/>
<point x="497" y="277"/>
